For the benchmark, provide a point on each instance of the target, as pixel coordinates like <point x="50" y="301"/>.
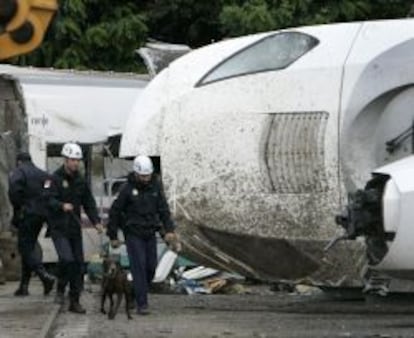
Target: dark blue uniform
<point x="26" y="184"/>
<point x="139" y="210"/>
<point x="65" y="227"/>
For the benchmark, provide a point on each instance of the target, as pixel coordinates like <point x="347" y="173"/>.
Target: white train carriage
<point x="261" y="137"/>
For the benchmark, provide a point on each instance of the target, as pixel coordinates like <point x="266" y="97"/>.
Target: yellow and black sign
<point x="23" y="24"/>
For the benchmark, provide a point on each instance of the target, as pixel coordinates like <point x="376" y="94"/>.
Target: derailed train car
<point x="261" y="137"/>
<point x="44" y="108"/>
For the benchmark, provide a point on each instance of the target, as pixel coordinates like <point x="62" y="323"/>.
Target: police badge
<point x="47" y="184"/>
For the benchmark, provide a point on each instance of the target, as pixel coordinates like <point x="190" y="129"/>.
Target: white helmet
<point x="72" y="150"/>
<point x="143" y="165"/>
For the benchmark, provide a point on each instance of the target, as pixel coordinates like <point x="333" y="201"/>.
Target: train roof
<point x="69" y="105"/>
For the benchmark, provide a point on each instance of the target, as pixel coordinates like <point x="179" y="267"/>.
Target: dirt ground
<point x="25" y="317"/>
<point x="262" y="314"/>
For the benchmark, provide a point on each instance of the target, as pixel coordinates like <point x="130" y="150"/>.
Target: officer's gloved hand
<point x="67" y="207"/>
<point x="115" y="243"/>
<point x="99" y="228"/>
<point x="171" y="238"/>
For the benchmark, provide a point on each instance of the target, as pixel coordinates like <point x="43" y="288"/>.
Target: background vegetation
<point x="103" y="34"/>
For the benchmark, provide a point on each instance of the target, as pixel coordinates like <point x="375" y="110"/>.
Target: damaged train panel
<point x="252" y="143"/>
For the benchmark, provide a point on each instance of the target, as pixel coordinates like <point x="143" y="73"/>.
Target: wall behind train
<point x="13" y="137"/>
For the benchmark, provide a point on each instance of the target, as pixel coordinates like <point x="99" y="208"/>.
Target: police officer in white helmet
<point x="140" y="210"/>
<point x="67" y="194"/>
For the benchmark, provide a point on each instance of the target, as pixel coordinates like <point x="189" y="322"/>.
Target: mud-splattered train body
<point x="261" y="137"/>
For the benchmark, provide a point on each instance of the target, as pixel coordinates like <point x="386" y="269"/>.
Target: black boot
<point x="47" y="279"/>
<point x="23" y="289"/>
<point x="62" y="282"/>
<point x="75" y="306"/>
<point x="143" y="311"/>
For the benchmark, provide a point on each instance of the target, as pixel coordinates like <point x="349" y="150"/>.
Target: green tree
<point x="251" y="16"/>
<point x="93" y="34"/>
<point x="103" y="34"/>
<point x="191" y="22"/>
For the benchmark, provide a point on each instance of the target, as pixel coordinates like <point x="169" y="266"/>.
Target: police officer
<point x="138" y="211"/>
<point x="67" y="194"/>
<point x="26" y="184"/>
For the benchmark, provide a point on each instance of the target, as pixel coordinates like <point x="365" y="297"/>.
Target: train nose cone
<point x="143" y="128"/>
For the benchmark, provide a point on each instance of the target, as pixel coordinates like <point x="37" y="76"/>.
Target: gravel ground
<point x="25" y="317"/>
<point x="262" y="314"/>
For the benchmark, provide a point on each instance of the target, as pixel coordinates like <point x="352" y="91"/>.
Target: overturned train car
<point x="261" y="137"/>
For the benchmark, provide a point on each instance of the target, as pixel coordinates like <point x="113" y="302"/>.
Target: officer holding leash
<point x="138" y="210"/>
<point x="67" y="194"/>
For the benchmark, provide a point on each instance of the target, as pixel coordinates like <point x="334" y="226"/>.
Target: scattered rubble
<point x="165" y="266"/>
<point x="174" y="274"/>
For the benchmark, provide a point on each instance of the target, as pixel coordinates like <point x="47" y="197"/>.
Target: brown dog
<point x="115" y="281"/>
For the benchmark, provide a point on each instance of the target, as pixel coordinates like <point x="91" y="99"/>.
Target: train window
<point x="273" y="52"/>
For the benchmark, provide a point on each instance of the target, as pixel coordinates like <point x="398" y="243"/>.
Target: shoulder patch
<point x="65" y="184"/>
<point x="135" y="192"/>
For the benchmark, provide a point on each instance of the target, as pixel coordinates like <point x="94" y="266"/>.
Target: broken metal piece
<point x="334" y="241"/>
<point x="158" y="55"/>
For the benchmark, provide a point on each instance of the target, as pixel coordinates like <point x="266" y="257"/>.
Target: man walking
<point x="138" y="210"/>
<point x="26" y="184"/>
<point x="67" y="194"/>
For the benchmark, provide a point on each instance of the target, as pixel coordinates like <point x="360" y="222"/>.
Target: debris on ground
<point x="307" y="289"/>
<point x="175" y="274"/>
<point x="180" y="275"/>
<point x="199" y="272"/>
<point x="165" y="266"/>
<point x="283" y="287"/>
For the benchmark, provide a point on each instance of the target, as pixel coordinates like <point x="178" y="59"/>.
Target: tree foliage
<point x="191" y="22"/>
<point x="251" y="16"/>
<point x="93" y="34"/>
<point x="103" y="34"/>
